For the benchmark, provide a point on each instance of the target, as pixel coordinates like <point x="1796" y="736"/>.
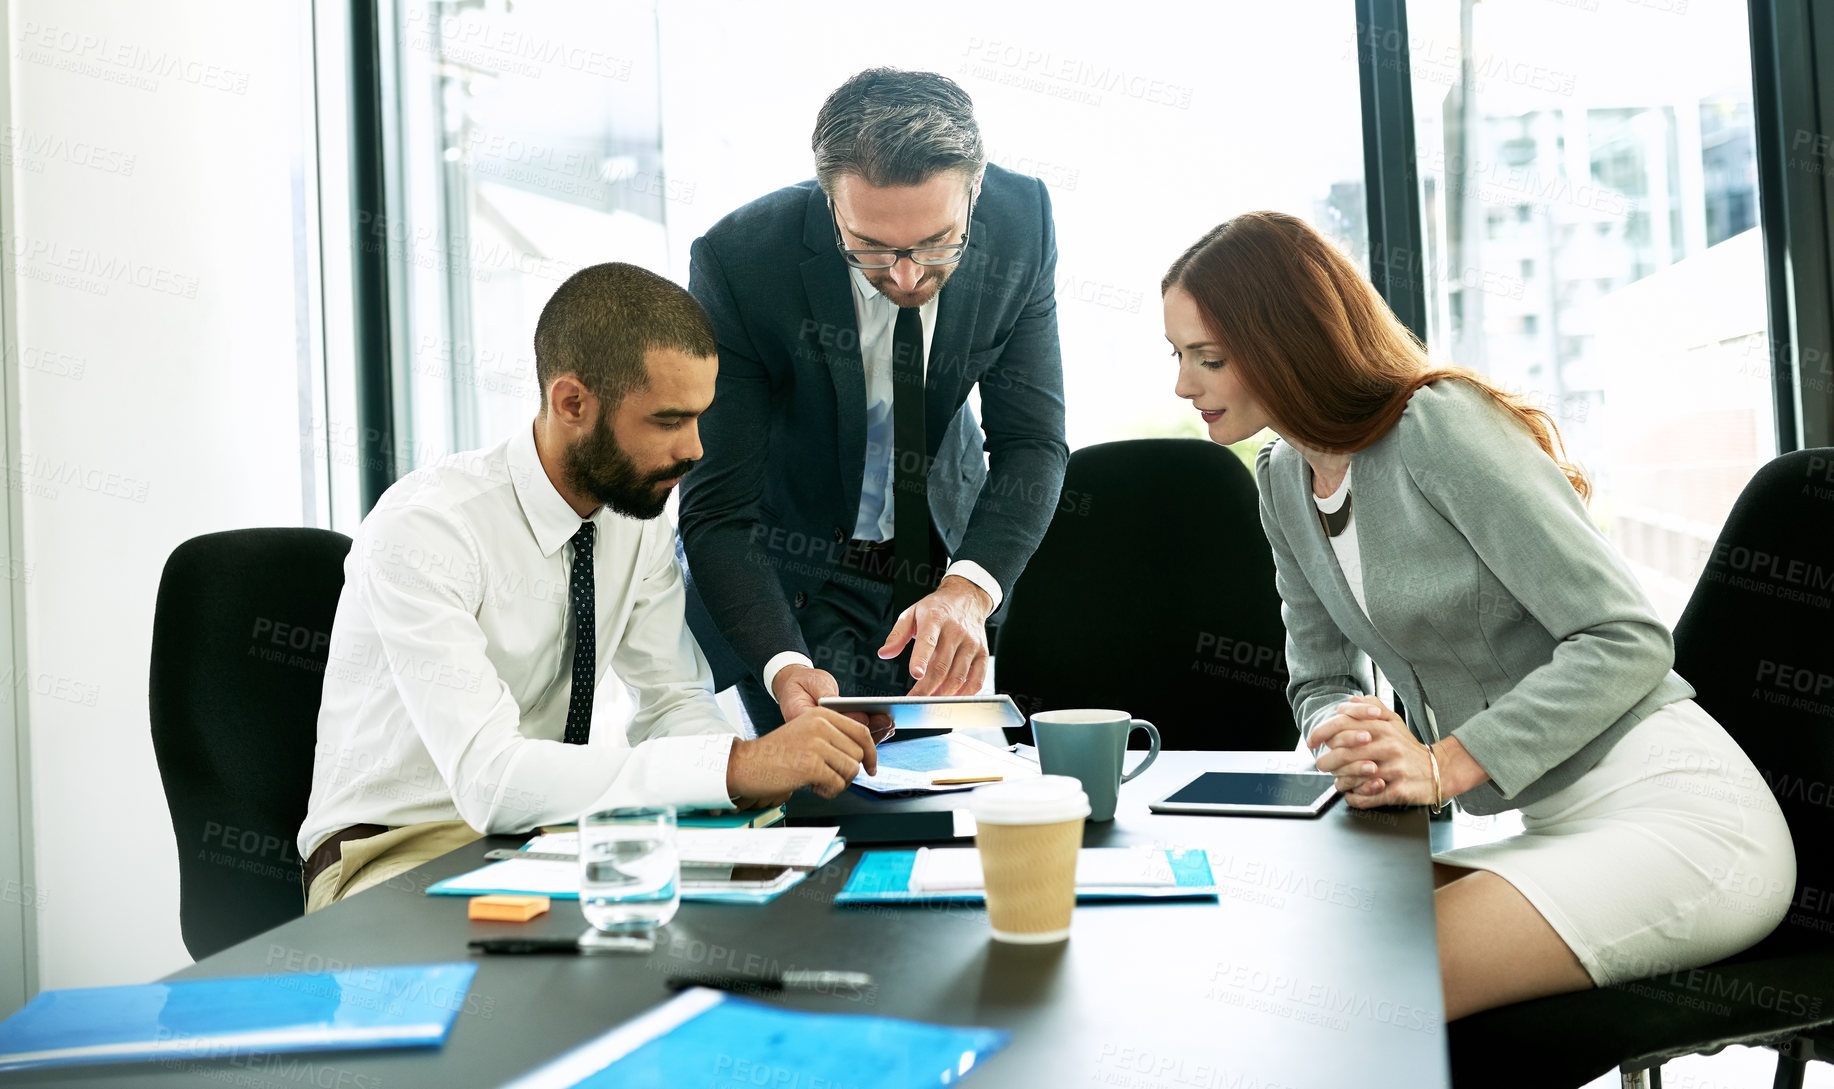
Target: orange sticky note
<point x="508" y="909"/>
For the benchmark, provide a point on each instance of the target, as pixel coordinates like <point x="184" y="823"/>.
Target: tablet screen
<point x="1252" y="788"/>
<point x="935" y="712"/>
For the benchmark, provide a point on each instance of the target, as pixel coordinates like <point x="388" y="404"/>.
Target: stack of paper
<point x="734" y="846"/>
<point x="798" y="849"/>
<point x="945" y="762"/>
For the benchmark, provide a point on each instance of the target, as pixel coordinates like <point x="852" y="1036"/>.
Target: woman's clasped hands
<point x="1375" y="757"/>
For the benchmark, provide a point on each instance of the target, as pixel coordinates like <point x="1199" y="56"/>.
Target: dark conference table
<point x="1316" y="968"/>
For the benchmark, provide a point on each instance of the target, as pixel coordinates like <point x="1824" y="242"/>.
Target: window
<point x="530" y="144"/>
<point x="540" y="137"/>
<point x="1621" y="196"/>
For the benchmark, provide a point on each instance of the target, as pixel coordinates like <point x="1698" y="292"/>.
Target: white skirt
<point x="1669" y="854"/>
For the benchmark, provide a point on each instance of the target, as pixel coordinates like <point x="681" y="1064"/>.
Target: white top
<point x="877" y="317"/>
<point x="1350" y="559"/>
<point x="451" y="661"/>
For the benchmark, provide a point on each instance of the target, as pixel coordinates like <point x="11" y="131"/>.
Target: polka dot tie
<point x="585" y="641"/>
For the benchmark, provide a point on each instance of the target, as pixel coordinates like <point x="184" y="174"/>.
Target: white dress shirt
<point x="452" y="654"/>
<point x="877" y="317"/>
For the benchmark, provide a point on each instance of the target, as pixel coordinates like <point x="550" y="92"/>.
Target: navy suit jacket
<point x="766" y="514"/>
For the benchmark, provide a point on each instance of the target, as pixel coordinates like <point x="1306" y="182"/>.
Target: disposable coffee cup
<point x="1029" y="832"/>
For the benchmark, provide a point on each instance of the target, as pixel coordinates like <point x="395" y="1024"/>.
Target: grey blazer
<point x="1492" y="597"/>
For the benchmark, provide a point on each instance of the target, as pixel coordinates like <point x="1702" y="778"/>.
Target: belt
<point x="333" y="848"/>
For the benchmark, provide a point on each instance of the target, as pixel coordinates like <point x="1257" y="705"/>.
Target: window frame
<point x="1789" y="104"/>
<point x="1788" y="46"/>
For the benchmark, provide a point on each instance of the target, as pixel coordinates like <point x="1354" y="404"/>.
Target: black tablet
<point x="1252" y="794"/>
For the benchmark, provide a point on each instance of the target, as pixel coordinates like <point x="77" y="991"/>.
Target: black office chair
<point x="241" y="636"/>
<point x="1153" y="592"/>
<point x="1751" y="615"/>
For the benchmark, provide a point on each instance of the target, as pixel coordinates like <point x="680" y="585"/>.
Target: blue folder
<point x="884" y="877"/>
<point x="398" y="1006"/>
<point x="705" y="1038"/>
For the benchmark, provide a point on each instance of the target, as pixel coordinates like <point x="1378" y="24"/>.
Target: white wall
<point x="154" y="151"/>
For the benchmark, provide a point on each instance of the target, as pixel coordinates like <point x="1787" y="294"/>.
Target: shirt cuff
<point x="978" y="575"/>
<point x="687" y="771"/>
<point x="776" y="664"/>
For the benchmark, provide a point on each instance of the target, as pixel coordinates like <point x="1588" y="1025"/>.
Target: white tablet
<point x="934" y="712"/>
<point x="1252" y="794"/>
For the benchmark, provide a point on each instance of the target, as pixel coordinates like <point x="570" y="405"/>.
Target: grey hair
<point x="890" y="127"/>
<point x="602" y="322"/>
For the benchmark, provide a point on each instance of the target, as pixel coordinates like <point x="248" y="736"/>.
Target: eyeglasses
<point x="922" y="255"/>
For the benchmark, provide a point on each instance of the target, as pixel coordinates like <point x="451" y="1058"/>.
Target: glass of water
<point x="630" y="870"/>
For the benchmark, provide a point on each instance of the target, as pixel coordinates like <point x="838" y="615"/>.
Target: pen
<point x="783" y="981"/>
<point x="524" y="945"/>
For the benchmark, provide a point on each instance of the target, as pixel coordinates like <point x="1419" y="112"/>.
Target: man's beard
<point x="941" y="274"/>
<point x="598" y="468"/>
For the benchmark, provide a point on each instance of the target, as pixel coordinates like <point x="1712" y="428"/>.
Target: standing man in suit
<point x="844" y="515"/>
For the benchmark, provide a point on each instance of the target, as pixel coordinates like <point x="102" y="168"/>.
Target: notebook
<point x="409" y="1005"/>
<point x="759" y="847"/>
<point x="736" y="818"/>
<point x="560" y="879"/>
<point x="708" y="1038"/>
<point x="952" y="874"/>
<point x="688" y="817"/>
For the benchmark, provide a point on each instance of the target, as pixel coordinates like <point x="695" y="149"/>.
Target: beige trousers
<point x="366" y="863"/>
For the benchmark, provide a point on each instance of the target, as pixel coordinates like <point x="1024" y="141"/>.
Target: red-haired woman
<point x="1534" y="673"/>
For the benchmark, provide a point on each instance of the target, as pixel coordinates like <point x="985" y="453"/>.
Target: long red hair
<point x="1312" y="341"/>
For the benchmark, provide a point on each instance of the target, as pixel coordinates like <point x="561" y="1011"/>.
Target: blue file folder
<point x="709" y="1040"/>
<point x="398" y="1006"/>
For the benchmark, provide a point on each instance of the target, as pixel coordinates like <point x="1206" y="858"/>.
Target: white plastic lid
<point x="1044" y="800"/>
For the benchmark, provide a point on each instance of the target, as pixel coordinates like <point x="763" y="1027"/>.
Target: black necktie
<point x="585" y="638"/>
<point x="911" y="502"/>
